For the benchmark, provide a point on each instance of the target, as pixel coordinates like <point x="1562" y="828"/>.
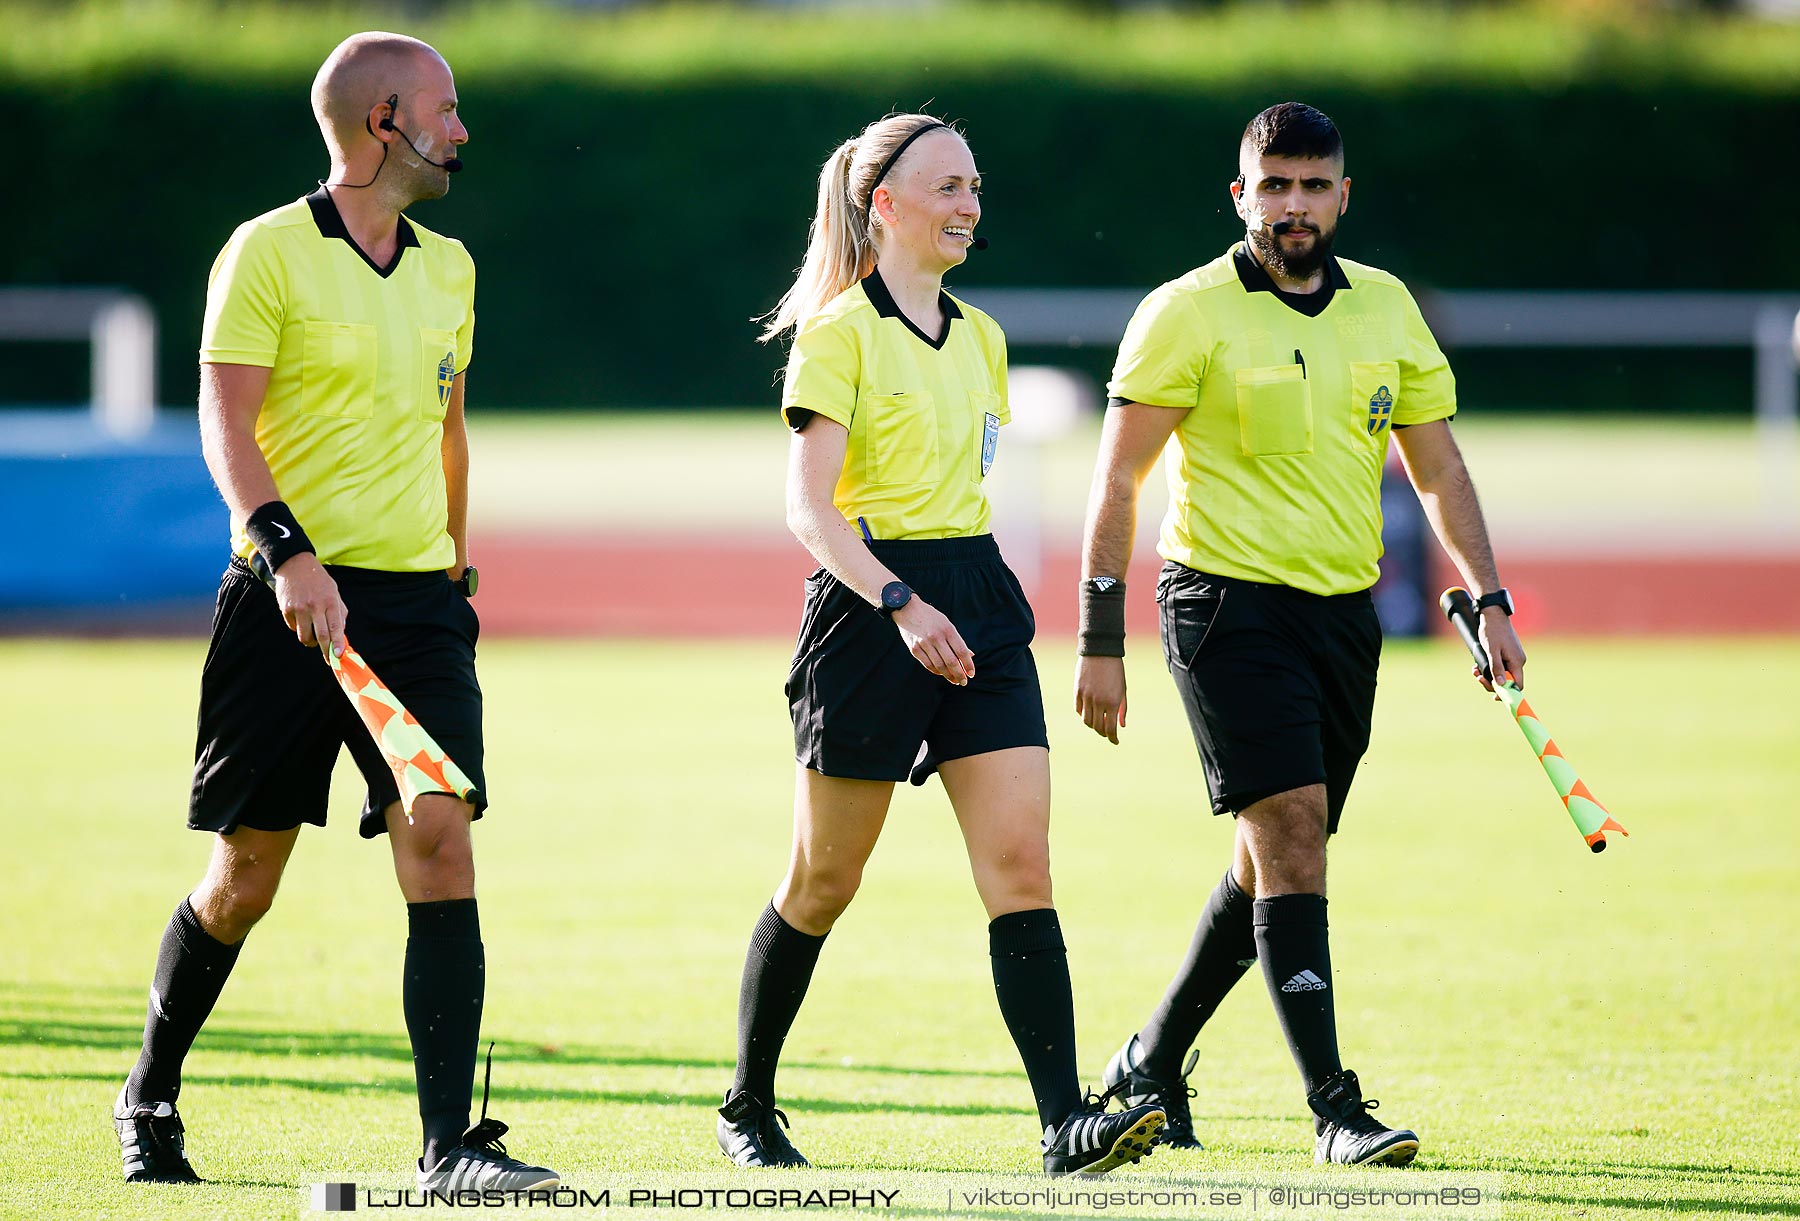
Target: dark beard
<point x="1298" y="266"/>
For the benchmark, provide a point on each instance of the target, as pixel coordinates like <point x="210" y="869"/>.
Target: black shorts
<point x="272" y="716"/>
<point x="1279" y="684"/>
<point x="863" y="705"/>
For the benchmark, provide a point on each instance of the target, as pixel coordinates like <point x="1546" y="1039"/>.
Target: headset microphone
<point x="980" y="243"/>
<point x="1282" y="228"/>
<point x="450" y="165"/>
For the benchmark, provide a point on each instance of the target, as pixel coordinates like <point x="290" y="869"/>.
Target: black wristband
<point x="276" y="536"/>
<point x="1102" y="617"/>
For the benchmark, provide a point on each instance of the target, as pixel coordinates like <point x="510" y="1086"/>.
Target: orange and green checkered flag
<point x="1589" y="816"/>
<point x="419" y="764"/>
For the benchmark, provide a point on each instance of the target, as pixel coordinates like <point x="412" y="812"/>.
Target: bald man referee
<point x="332" y="358"/>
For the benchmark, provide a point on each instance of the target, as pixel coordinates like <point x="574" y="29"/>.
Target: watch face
<point x="470" y="581"/>
<point x="894" y="595"/>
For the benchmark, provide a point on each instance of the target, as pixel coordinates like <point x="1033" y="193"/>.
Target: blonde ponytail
<point x="840" y="249"/>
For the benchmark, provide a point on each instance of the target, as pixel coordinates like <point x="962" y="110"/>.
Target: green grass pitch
<point x="1586" y="1036"/>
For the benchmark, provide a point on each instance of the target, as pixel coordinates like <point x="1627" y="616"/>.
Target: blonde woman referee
<point x="915" y="641"/>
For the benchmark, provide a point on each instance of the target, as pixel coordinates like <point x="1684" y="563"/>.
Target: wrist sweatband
<point x="1102" y="617"/>
<point x="276" y="536"/>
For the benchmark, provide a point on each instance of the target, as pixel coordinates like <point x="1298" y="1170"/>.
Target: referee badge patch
<point x="1381" y="406"/>
<point x="446" y="375"/>
<point x="990" y="442"/>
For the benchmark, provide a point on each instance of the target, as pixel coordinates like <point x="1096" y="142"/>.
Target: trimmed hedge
<point x="638" y="187"/>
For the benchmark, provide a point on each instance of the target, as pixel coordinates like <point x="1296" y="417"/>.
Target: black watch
<point x="1500" y="597"/>
<point x="894" y="595"/>
<point x="469" y="582"/>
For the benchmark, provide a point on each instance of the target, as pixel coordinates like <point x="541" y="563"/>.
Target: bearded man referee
<point x="1282" y="371"/>
<point x="336" y="340"/>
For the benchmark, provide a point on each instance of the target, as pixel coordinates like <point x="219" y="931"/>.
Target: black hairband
<point x="895" y="155"/>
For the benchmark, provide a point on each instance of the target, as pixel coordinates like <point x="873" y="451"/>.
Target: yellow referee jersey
<point x="924" y="415"/>
<point x="361" y="361"/>
<point x="1275" y="472"/>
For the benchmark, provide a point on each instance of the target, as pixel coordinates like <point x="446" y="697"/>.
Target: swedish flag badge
<point x="1381" y="406"/>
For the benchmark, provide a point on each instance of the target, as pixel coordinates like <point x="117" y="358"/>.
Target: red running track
<point x="691" y="586"/>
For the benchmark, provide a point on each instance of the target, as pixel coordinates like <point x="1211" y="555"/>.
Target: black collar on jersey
<point x="886" y="307"/>
<point x="331" y="224"/>
<point x="1255" y="279"/>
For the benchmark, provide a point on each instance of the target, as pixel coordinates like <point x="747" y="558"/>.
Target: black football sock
<point x="191" y="969"/>
<point x="777" y="971"/>
<point x="446" y="979"/>
<point x="1031" y="978"/>
<point x="1295" y="949"/>
<point x="1224" y="947"/>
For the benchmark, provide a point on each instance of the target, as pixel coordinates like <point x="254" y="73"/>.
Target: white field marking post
<point x="124" y="367"/>
<point x="1047" y="405"/>
<point x="1778" y="407"/>
<point x="121" y="329"/>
